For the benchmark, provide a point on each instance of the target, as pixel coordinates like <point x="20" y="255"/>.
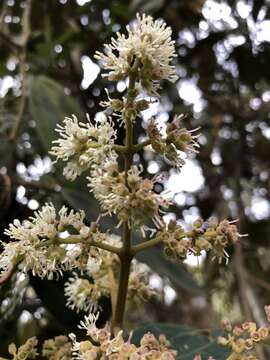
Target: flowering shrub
<point x="52" y="242"/>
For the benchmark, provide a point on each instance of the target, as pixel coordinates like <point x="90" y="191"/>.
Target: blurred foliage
<point x="223" y="64"/>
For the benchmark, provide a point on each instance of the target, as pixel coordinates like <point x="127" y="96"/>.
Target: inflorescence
<point x="52" y="242"/>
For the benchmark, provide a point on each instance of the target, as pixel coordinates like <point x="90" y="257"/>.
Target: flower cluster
<point x="59" y="348"/>
<point x="83" y="293"/>
<point x="148" y="46"/>
<point x="26" y="351"/>
<point x="101" y="346"/>
<point x="129" y="198"/>
<point x="83" y="145"/>
<point x="99" y="280"/>
<point x="206" y="236"/>
<point x="139" y="289"/>
<point x="178" y="140"/>
<point x="36" y="246"/>
<point x="243" y="339"/>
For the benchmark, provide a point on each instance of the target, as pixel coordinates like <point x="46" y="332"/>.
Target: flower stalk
<point x="126" y="255"/>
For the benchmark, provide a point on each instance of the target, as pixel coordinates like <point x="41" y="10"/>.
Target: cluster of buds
<point x="178" y="140"/>
<point x="242" y="339"/>
<point x="129" y="198"/>
<point x="26" y="351"/>
<point x="123" y="109"/>
<point x="205" y="236"/>
<point x="139" y="289"/>
<point x="147" y="50"/>
<point x="59" y="348"/>
<point x="101" y="346"/>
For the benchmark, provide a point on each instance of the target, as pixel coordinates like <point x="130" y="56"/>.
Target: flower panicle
<point x="148" y="44"/>
<point x="37" y="242"/>
<point x="83" y="146"/>
<point x="204" y="236"/>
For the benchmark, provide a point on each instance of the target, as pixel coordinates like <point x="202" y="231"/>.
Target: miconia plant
<point x="103" y="263"/>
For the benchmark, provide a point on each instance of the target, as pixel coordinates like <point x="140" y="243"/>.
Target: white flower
<point x="8" y="256"/>
<point x="93" y="265"/>
<point x="135" y="200"/>
<point x="83" y="145"/>
<point x="31" y="248"/>
<point x="81" y="294"/>
<point x="89" y="324"/>
<point x="149" y="43"/>
<point x="71" y="218"/>
<point x="108" y="187"/>
<point x="20" y="231"/>
<point x="139" y="289"/>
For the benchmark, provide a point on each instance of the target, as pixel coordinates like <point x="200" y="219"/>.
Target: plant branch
<point x="10" y="42"/>
<point x="77" y="239"/>
<point x="119" y="148"/>
<point x="141" y="145"/>
<point x="22" y="68"/>
<point x="126" y="255"/>
<point x="146" y="244"/>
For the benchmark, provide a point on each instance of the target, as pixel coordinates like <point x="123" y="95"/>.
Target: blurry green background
<point x="223" y="66"/>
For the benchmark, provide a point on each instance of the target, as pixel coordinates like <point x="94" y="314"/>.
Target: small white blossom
<point x="93" y="265"/>
<point x="135" y="200"/>
<point x="83" y="145"/>
<point x="89" y="323"/>
<point x="82" y="294"/>
<point x="149" y="43"/>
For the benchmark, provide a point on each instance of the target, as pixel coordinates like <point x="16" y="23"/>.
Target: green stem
<point x="146" y="244"/>
<point x="141" y="145"/>
<point x="126" y="255"/>
<point x="157" y="240"/>
<point x="77" y="239"/>
<point x="119" y="148"/>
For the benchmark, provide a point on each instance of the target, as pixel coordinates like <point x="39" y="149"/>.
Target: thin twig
<point x="10" y="42"/>
<point x="260" y="282"/>
<point x="146" y="244"/>
<point x="22" y="68"/>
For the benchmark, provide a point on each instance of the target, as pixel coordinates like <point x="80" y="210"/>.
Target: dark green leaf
<point x="176" y="272"/>
<point x="82" y="200"/>
<point x="49" y="105"/>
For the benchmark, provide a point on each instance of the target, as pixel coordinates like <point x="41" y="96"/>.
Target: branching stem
<point x="126" y="254"/>
<point x="146" y="244"/>
<point x="77" y="239"/>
